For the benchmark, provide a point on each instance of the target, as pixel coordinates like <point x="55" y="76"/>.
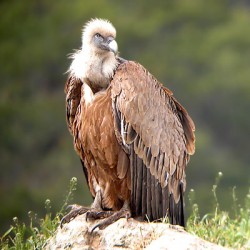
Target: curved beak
<point x="109" y="44"/>
<point x="113" y="47"/>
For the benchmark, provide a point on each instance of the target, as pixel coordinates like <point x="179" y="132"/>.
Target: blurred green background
<point x="199" y="49"/>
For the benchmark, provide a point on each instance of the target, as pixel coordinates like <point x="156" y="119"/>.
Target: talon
<point x="93" y="228"/>
<point x="87" y="215"/>
<point x="128" y="215"/>
<point x="75" y="210"/>
<point x="63" y="221"/>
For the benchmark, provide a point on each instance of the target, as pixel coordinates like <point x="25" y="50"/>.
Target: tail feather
<point x="149" y="200"/>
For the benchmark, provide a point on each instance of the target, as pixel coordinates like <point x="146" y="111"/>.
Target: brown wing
<point x="158" y="134"/>
<point x="73" y="97"/>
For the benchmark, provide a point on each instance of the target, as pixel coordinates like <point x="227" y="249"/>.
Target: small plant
<point x="34" y="235"/>
<point x="218" y="227"/>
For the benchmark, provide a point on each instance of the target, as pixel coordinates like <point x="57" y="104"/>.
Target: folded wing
<point x="158" y="135"/>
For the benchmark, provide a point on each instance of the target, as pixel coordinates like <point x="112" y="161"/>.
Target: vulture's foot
<point x="108" y="217"/>
<point x="78" y="210"/>
<point x="75" y="210"/>
<point x="114" y="216"/>
<point x="95" y="214"/>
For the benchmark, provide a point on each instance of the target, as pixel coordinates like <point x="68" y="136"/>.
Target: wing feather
<point x="149" y="208"/>
<point x="144" y="190"/>
<point x="153" y="196"/>
<point x="138" y="193"/>
<point x="122" y="165"/>
<point x="160" y="136"/>
<point x="73" y="96"/>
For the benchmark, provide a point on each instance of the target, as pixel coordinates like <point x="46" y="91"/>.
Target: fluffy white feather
<point x="93" y="25"/>
<point x="88" y="63"/>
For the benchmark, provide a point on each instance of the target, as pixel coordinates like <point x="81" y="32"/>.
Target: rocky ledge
<point x="125" y="234"/>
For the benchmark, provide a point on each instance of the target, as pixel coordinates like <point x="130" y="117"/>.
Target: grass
<point x="23" y="236"/>
<point x="218" y="226"/>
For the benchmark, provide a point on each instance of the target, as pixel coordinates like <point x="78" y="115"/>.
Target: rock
<point x="125" y="234"/>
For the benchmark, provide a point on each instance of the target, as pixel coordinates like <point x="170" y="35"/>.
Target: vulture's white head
<point x="96" y="62"/>
<point x="99" y="35"/>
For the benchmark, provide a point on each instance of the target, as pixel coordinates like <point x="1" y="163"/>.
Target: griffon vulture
<point x="133" y="137"/>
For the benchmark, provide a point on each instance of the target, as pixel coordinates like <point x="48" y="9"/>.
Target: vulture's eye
<point x="97" y="35"/>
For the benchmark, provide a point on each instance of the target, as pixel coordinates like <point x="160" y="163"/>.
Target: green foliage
<point x="218" y="226"/>
<point x="34" y="234"/>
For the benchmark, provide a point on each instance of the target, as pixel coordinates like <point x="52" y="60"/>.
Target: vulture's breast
<point x="101" y="148"/>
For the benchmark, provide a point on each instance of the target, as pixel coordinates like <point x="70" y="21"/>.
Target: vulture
<point x="133" y="137"/>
